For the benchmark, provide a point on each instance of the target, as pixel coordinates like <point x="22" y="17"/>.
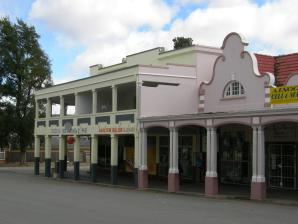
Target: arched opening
<point x="158" y="150"/>
<point x="281" y="156"/>
<point x="234" y="159"/>
<point x="192" y="157"/>
<point x="191" y="146"/>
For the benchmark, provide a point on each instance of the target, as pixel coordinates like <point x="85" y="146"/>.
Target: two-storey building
<point x="200" y="114"/>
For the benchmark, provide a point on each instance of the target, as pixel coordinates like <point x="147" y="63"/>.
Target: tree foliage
<point x="24" y="67"/>
<point x="182" y="42"/>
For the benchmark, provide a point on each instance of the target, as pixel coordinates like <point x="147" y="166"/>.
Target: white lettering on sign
<point x="69" y="131"/>
<point x="116" y="130"/>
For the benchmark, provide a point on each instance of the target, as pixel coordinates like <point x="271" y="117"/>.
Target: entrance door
<point x="282" y="166"/>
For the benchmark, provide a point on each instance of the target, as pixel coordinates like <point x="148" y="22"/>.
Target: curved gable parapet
<point x="292" y="80"/>
<point x="235" y="64"/>
<point x="270" y="76"/>
<point x="241" y="38"/>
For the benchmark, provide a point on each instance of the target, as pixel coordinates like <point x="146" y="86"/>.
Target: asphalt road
<point x="25" y="198"/>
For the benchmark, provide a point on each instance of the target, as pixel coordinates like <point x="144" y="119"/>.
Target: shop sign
<point x="284" y="94"/>
<point x="69" y="130"/>
<point x="116" y="130"/>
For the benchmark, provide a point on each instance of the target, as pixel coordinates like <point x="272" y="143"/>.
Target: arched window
<point x="234" y="88"/>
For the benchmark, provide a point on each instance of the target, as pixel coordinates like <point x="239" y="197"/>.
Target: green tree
<point x="24" y="67"/>
<point x="182" y="42"/>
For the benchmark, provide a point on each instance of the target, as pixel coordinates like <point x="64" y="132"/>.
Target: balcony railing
<point x="88" y="119"/>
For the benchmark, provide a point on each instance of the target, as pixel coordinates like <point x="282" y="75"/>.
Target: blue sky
<point x="79" y="33"/>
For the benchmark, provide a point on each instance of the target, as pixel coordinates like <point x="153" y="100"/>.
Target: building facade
<point x="200" y="114"/>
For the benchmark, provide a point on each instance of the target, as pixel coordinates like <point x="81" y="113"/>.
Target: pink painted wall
<point x="168" y="100"/>
<point x="235" y="64"/>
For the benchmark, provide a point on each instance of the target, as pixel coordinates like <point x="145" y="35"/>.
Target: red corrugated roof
<point x="265" y="63"/>
<point x="281" y="66"/>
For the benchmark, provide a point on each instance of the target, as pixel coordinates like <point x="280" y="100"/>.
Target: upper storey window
<point x="233" y="88"/>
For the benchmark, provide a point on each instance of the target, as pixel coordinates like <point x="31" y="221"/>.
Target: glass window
<point x="234" y="88"/>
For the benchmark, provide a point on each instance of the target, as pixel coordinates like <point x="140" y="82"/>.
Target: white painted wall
<point x="235" y="65"/>
<point x="168" y="100"/>
<point x="84" y="103"/>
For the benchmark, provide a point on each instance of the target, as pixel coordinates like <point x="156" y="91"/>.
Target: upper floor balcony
<point x="114" y="104"/>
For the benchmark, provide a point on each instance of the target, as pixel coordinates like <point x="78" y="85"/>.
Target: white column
<point x="76" y="149"/>
<point x="136" y="152"/>
<point x="114" y="150"/>
<point x="143" y="149"/>
<point x="36" y="146"/>
<point x="36" y="109"/>
<point x="94" y="101"/>
<point x="261" y="155"/>
<point x="213" y="158"/>
<point x="48" y="146"/>
<point x="94" y="147"/>
<point x="173" y="151"/>
<point x="62" y="109"/>
<point x="254" y="153"/>
<point x="208" y="150"/>
<point x="61" y="147"/>
<point x="48" y="108"/>
<point x="76" y="103"/>
<point x="114" y="98"/>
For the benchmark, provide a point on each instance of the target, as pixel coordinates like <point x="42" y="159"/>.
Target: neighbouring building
<point x="199" y="114"/>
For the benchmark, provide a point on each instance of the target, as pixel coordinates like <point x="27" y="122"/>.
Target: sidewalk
<point x="275" y="196"/>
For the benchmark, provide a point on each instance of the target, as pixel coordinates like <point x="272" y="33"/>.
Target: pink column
<point x="258" y="182"/>
<point x="258" y="191"/>
<point x="173" y="176"/>
<point x="173" y="182"/>
<point x="211" y="186"/>
<point x="142" y="179"/>
<point x="143" y="169"/>
<point x="211" y="180"/>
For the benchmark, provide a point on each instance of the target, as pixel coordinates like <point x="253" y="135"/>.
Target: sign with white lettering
<point x="116" y="130"/>
<point x="69" y="130"/>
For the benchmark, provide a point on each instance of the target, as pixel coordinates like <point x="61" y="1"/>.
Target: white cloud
<point x="93" y="20"/>
<point x="109" y="29"/>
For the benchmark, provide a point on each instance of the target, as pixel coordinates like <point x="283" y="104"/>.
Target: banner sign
<point x="116" y="130"/>
<point x="284" y="94"/>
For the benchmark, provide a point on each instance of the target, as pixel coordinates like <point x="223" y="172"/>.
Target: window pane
<point x="234" y="89"/>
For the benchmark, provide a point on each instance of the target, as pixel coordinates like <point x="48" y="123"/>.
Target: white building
<point x="203" y="111"/>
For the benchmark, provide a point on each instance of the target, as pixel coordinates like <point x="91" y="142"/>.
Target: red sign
<point x="70" y="140"/>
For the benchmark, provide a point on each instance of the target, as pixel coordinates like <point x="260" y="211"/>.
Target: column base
<point x="76" y="170"/>
<point x="47" y="167"/>
<point x="157" y="168"/>
<point x="258" y="190"/>
<point x="65" y="163"/>
<point x="135" y="176"/>
<point x="114" y="175"/>
<point x="61" y="168"/>
<point x="211" y="186"/>
<point x="94" y="172"/>
<point x="36" y="165"/>
<point x="143" y="179"/>
<point x="173" y="182"/>
<point x="194" y="173"/>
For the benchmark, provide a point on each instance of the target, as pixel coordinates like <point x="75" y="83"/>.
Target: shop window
<point x="233" y="88"/>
